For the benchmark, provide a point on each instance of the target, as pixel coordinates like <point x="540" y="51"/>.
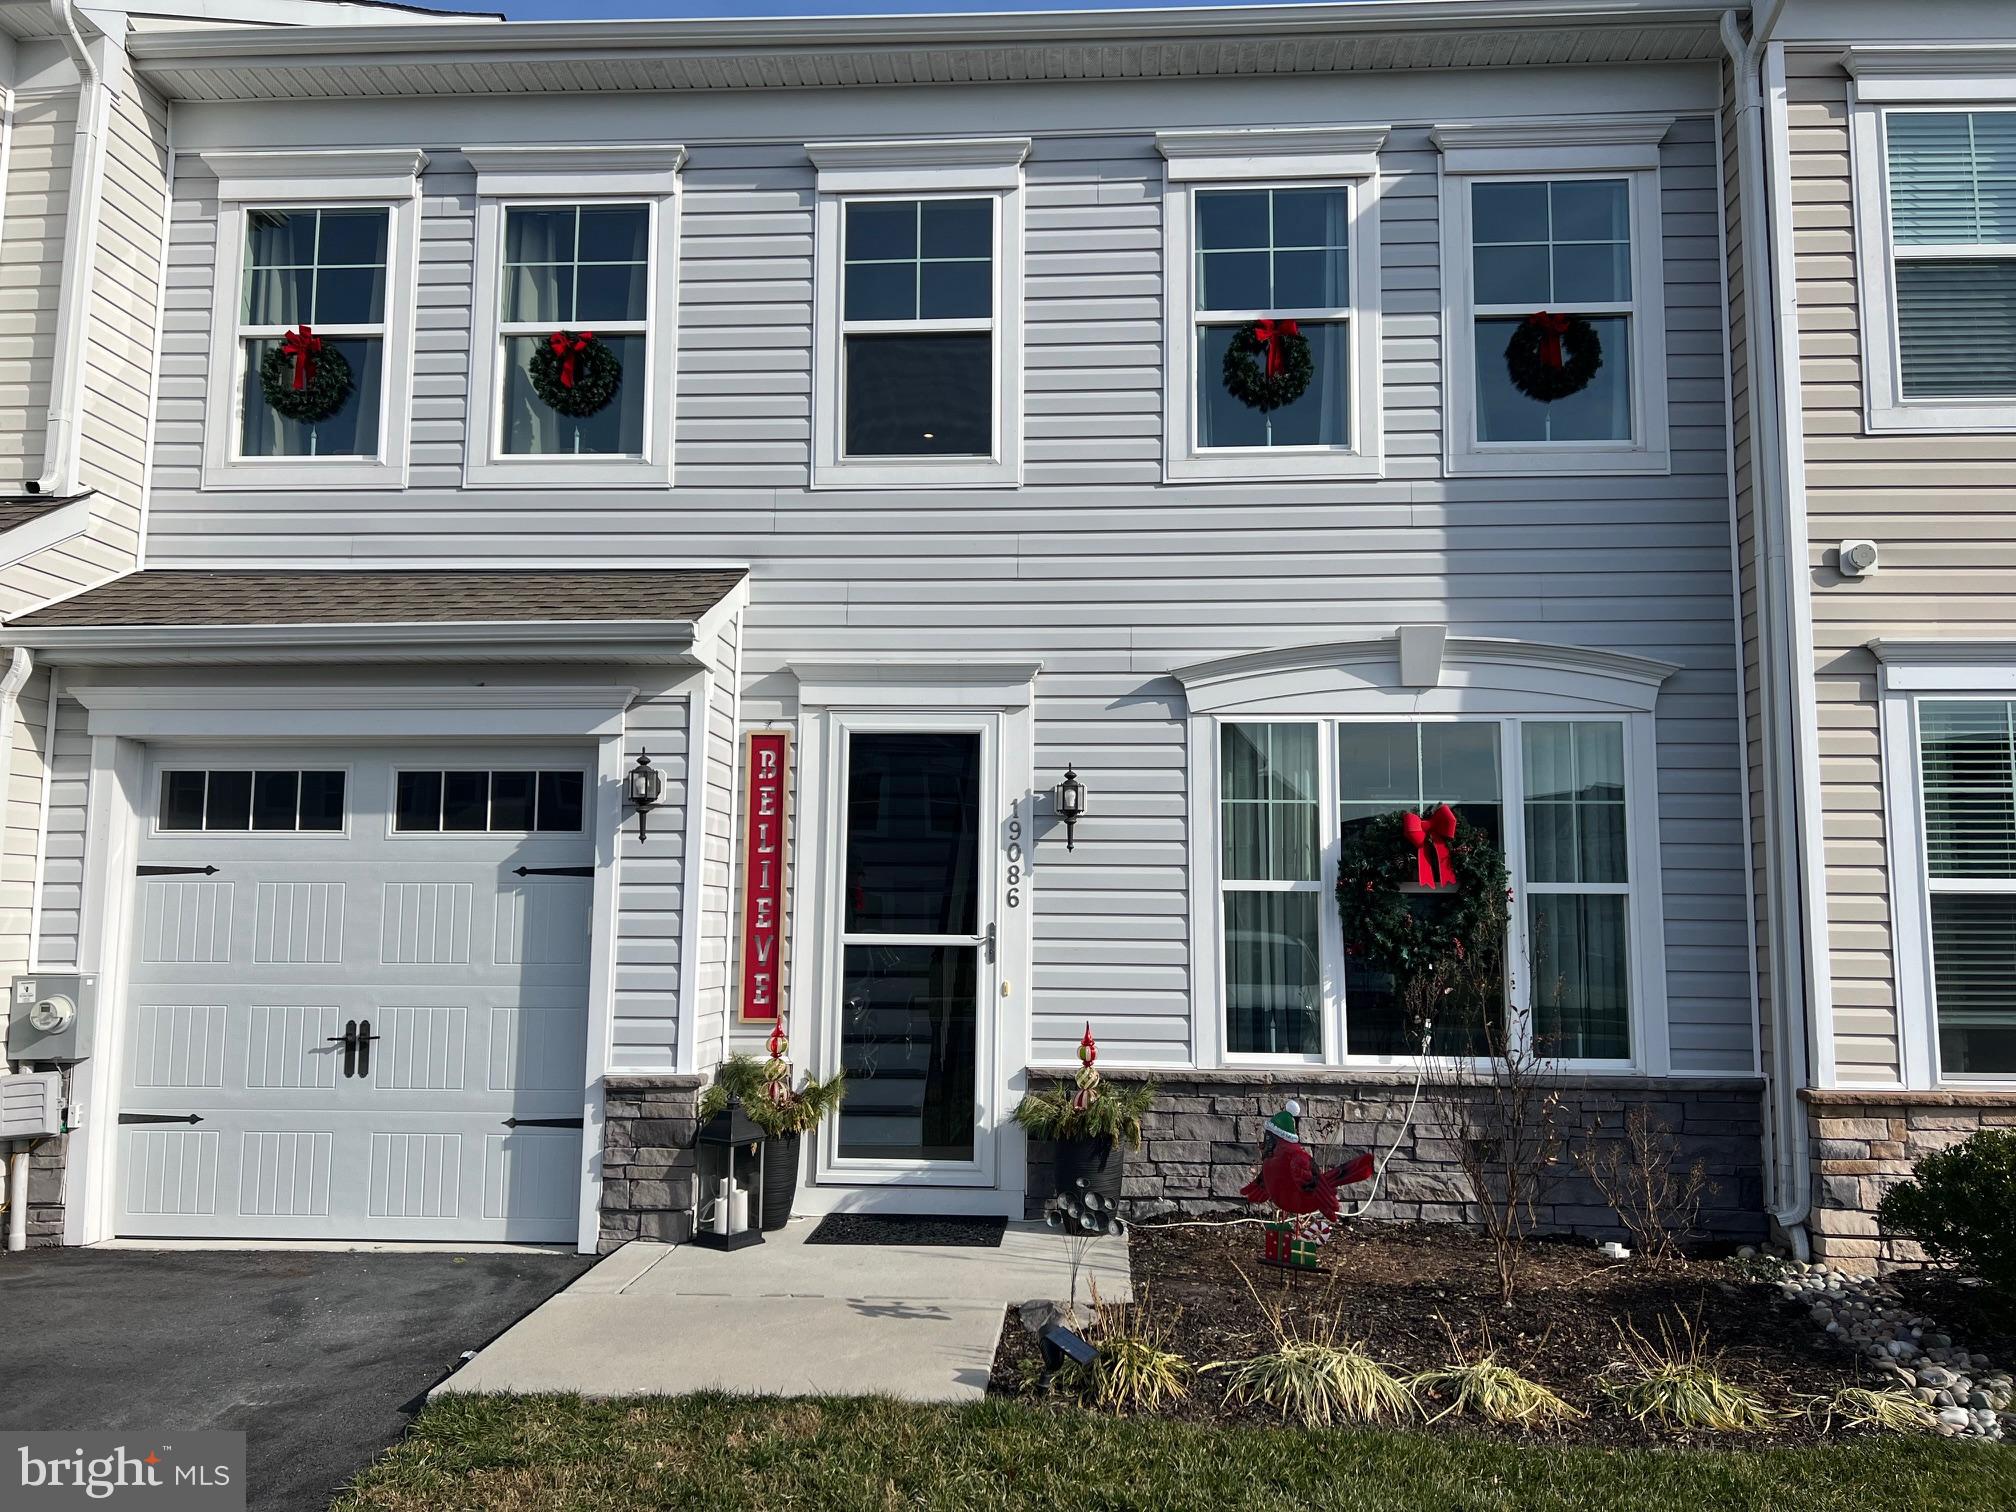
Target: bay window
<point x="1552" y="794"/>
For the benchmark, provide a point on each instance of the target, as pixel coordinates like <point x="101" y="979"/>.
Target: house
<point x="922" y="484"/>
<point x="1873" y="463"/>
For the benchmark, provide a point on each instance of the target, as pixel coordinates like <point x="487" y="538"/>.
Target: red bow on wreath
<point x="564" y="344"/>
<point x="1552" y="328"/>
<point x="1272" y="334"/>
<point x="1434" y="832"/>
<point x="304" y="346"/>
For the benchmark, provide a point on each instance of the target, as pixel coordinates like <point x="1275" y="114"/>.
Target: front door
<point x="916" y="955"/>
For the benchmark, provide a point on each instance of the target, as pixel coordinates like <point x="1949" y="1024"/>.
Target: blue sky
<point x="549" y="10"/>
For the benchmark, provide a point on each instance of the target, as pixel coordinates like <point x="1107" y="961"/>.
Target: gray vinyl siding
<point x="651" y="879"/>
<point x="31" y="272"/>
<point x="63" y="861"/>
<point x="1107" y="576"/>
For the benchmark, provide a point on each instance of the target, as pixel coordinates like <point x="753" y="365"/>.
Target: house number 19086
<point x="1013" y="875"/>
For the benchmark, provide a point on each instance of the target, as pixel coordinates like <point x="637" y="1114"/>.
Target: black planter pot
<point x="780" y="1180"/>
<point x="1088" y="1165"/>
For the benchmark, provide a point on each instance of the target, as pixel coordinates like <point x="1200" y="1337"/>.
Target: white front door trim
<point x="121" y="719"/>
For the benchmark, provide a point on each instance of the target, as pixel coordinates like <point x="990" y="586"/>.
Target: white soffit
<point x="875" y="51"/>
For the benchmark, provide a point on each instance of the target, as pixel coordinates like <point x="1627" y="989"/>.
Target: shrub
<point x="1640" y="1177"/>
<point x="1961" y="1205"/>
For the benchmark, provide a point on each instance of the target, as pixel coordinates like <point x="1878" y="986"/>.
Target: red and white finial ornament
<point x="1088" y="1048"/>
<point x="778" y="1044"/>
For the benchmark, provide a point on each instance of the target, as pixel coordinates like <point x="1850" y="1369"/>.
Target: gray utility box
<point x="50" y="1017"/>
<point x="31" y="1105"/>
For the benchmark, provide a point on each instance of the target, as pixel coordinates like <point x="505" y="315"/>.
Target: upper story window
<point x="918" y="322"/>
<point x="1273" y="248"/>
<point x="1561" y="221"/>
<point x="1565" y="788"/>
<point x="319" y="272"/>
<point x="1934" y="164"/>
<point x="575" y="265"/>
<point x="314" y="284"/>
<point x="917" y="328"/>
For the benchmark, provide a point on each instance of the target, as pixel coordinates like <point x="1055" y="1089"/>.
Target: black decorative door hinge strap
<point x="542" y="1123"/>
<point x="175" y="871"/>
<point x="155" y="1118"/>
<point x="554" y="871"/>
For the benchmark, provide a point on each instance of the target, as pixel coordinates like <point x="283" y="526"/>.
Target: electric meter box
<point x="49" y="1019"/>
<point x="31" y="1105"/>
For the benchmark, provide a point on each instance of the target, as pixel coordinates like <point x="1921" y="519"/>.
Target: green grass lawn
<point x="511" y="1453"/>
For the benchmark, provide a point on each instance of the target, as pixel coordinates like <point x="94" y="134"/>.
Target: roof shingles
<point x="173" y="596"/>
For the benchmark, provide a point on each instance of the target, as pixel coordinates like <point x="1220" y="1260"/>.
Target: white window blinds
<point x="1967" y="761"/>
<point x="1952" y="177"/>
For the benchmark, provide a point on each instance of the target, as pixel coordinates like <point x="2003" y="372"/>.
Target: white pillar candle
<point x="740" y="1212"/>
<point x="721" y="1209"/>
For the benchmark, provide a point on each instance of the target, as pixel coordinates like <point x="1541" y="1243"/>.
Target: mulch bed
<point x="1416" y="1295"/>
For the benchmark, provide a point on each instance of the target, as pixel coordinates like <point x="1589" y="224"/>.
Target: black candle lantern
<point x="728" y="1153"/>
<point x="1070" y="800"/>
<point x="644" y="787"/>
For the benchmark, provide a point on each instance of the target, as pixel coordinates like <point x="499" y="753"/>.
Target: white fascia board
<point x="375" y="173"/>
<point x="888" y="167"/>
<point x="65" y="522"/>
<point x="390" y="641"/>
<point x="1610" y="144"/>
<point x="1270" y="152"/>
<point x="604" y="168"/>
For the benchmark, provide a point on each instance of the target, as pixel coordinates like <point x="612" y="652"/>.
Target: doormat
<point x="899" y="1228"/>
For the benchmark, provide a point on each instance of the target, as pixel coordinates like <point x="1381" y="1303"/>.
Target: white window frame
<point x="363" y="178"/>
<point x="965" y="168"/>
<point x="1553" y="684"/>
<point x="1625" y="147"/>
<point x="517" y="177"/>
<point x="1345" y="157"/>
<point x="1948" y="671"/>
<point x="1912" y="79"/>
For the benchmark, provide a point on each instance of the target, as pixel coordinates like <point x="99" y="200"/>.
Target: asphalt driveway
<point x="320" y="1359"/>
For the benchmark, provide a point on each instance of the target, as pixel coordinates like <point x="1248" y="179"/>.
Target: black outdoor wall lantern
<point x="728" y="1157"/>
<point x="1070" y="801"/>
<point x="644" y="787"/>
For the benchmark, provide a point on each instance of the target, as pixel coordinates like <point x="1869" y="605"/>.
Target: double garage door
<point x="358" y="996"/>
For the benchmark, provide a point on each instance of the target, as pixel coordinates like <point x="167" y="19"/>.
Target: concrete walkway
<point x="788" y="1318"/>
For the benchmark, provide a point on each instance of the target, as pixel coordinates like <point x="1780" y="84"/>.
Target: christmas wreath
<point x="304" y="378"/>
<point x="1268" y="364"/>
<point x="1404" y="933"/>
<point x="575" y="373"/>
<point x="1552" y="356"/>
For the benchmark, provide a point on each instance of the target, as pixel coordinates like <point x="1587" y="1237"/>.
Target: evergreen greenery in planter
<point x="1090" y="1123"/>
<point x="779" y="1110"/>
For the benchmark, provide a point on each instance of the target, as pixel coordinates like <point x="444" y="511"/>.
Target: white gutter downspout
<point x="1771" y="418"/>
<point x="20" y="665"/>
<point x="63" y="438"/>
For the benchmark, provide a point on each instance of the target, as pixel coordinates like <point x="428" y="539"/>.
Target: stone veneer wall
<point x="1864" y="1143"/>
<point x="1202" y="1143"/>
<point x="647" y="1158"/>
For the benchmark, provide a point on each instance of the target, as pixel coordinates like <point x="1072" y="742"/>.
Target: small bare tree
<point x="1509" y="1138"/>
<point x="1641" y="1178"/>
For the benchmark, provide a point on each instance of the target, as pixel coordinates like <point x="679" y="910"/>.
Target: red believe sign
<point x="763" y="876"/>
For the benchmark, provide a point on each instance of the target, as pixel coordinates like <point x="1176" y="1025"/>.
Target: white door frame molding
<point x="121" y="720"/>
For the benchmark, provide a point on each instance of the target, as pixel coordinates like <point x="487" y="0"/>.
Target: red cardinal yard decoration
<point x="1288" y="1176"/>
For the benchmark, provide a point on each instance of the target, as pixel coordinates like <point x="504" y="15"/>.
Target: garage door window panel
<point x="512" y="801"/>
<point x="286" y="801"/>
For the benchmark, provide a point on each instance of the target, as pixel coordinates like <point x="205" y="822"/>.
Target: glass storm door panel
<point x="913" y="945"/>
